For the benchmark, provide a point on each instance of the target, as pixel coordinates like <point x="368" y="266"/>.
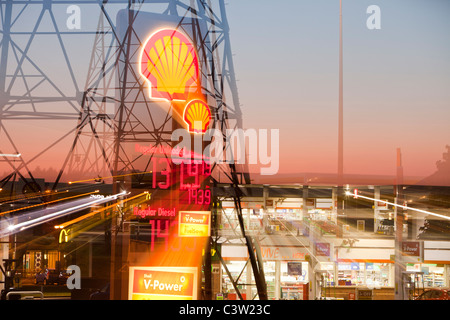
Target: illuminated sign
<point x="64" y="235"/>
<point x="197" y="115"/>
<point x="149" y="212"/>
<point x="182" y="154"/>
<point x="169" y="62"/>
<point x="194" y="224"/>
<point x="323" y="249"/>
<point x="162" y="283"/>
<point x="412" y="250"/>
<point x="199" y="196"/>
<point x="281" y="253"/>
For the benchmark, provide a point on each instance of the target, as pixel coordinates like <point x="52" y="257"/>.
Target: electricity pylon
<point x="103" y="100"/>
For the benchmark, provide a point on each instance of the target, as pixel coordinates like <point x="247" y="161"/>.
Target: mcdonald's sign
<point x="64" y="235"/>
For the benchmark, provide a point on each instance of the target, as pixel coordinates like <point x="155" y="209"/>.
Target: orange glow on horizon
<point x="109" y="177"/>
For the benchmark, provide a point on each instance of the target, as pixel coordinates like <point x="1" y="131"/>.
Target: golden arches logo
<point x="64" y="235"/>
<point x="170" y="64"/>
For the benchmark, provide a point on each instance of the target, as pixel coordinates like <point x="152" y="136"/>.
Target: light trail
<point x="102" y="178"/>
<point x="68" y="223"/>
<point x="348" y="193"/>
<point x="39" y="194"/>
<point x="12" y="155"/>
<point x="85" y="226"/>
<point x="12" y="228"/>
<point x="29" y="196"/>
<point x="49" y="202"/>
<point x="36" y="240"/>
<point x="305" y="245"/>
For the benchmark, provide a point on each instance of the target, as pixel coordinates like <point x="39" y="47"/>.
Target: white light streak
<point x="10" y="155"/>
<point x="348" y="193"/>
<point x="48" y="217"/>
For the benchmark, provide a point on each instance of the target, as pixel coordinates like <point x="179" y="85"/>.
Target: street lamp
<point x="341" y="104"/>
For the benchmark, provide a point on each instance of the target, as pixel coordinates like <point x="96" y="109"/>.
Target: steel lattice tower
<point x="102" y="98"/>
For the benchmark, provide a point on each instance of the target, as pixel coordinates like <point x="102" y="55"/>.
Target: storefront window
<point x="290" y="276"/>
<point x="377" y="275"/>
<point x="351" y="274"/>
<point x="433" y="274"/>
<point x="293" y="275"/>
<point x="328" y="273"/>
<point x="270" y="276"/>
<point x="236" y="269"/>
<point x="373" y="275"/>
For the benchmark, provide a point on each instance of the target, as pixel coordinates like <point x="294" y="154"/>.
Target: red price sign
<point x="200" y="196"/>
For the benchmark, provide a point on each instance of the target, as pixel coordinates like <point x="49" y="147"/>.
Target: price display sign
<point x="162" y="283"/>
<point x="194" y="224"/>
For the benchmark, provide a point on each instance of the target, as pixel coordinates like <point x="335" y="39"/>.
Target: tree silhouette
<point x="444" y="164"/>
<point x="438" y="197"/>
<point x="435" y="229"/>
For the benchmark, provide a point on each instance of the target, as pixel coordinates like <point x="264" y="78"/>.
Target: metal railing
<point x="25" y="295"/>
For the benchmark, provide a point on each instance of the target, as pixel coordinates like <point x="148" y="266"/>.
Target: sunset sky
<point x="396" y="83"/>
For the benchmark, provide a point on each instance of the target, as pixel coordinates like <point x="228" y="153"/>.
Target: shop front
<point x="435" y="265"/>
<point x="285" y="268"/>
<point x="38" y="261"/>
<point x="370" y="274"/>
<point x="274" y="216"/>
<point x="362" y="264"/>
<point x="369" y="264"/>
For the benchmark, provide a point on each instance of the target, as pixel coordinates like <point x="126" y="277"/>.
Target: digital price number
<point x="190" y="174"/>
<point x="200" y="196"/>
<point x="160" y="232"/>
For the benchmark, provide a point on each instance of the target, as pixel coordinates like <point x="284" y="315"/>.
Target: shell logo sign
<point x="169" y="63"/>
<point x="197" y="115"/>
<point x="162" y="283"/>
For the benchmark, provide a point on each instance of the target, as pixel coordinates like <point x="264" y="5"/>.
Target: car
<point x="102" y="294"/>
<point x="40" y="277"/>
<point x="56" y="277"/>
<point x="63" y="276"/>
<point x="434" y="294"/>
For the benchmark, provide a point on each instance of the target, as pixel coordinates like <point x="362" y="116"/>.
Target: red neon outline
<point x="143" y="60"/>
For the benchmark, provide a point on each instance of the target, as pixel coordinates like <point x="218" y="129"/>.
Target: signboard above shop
<point x="268" y="253"/>
<point x="412" y="251"/>
<point x="324" y="251"/>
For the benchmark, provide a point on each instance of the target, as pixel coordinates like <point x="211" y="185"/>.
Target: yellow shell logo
<point x="197" y="116"/>
<point x="169" y="62"/>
